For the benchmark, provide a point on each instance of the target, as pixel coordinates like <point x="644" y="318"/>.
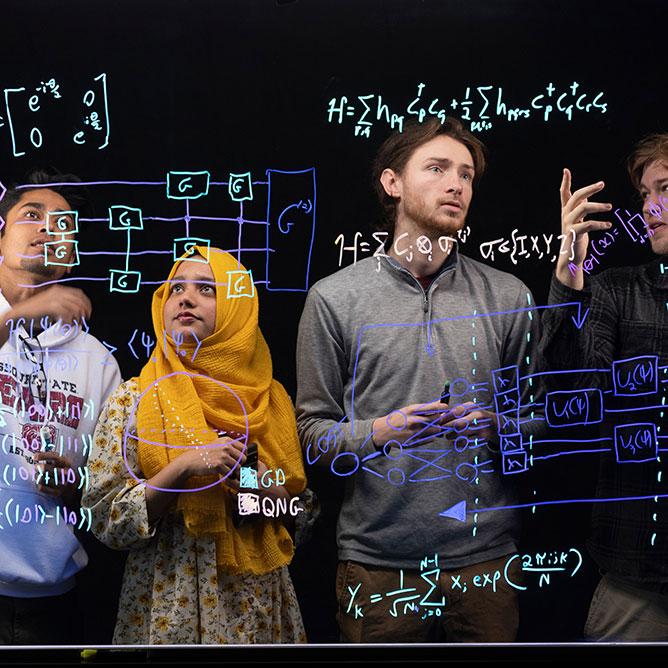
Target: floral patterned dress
<point x="172" y="591"/>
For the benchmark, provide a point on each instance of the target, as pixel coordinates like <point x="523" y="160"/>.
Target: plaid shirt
<point x="627" y="318"/>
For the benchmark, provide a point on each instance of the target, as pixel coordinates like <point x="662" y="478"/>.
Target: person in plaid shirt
<point x="622" y="348"/>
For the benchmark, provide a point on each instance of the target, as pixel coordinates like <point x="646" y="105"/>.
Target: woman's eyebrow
<point x="195" y="279"/>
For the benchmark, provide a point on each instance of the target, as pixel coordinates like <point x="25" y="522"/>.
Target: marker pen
<point x="446" y="393"/>
<point x="45" y="435"/>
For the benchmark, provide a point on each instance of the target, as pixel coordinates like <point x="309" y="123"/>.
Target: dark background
<point x="231" y="86"/>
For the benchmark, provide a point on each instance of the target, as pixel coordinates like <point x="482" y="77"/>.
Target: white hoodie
<point x="39" y="553"/>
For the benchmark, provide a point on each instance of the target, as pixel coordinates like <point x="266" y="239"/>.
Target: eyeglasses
<point x="37" y="381"/>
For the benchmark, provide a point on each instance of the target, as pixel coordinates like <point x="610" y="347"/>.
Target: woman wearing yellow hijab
<point x="165" y="469"/>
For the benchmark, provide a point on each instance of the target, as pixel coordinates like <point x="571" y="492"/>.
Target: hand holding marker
<point x="446" y="393"/>
<point x="45" y="436"/>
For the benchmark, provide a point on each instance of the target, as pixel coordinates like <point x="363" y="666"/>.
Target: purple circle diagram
<point x="243" y="437"/>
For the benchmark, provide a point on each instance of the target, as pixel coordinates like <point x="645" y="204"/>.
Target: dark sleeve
<point x="579" y="333"/>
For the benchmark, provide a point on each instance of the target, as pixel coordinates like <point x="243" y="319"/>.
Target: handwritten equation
<point x="524" y="246"/>
<point x="427" y="598"/>
<point x="34" y="111"/>
<point x="9" y="475"/>
<point x="517" y="247"/>
<point x="481" y="106"/>
<point x="14" y="513"/>
<point x="423" y="245"/>
<point x="638" y="231"/>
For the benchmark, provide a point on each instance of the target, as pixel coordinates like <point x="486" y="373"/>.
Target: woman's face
<point x="191" y="305"/>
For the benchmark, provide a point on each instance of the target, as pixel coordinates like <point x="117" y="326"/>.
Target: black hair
<point x="75" y="196"/>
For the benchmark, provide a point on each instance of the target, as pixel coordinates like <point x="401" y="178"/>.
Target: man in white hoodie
<point x="54" y="378"/>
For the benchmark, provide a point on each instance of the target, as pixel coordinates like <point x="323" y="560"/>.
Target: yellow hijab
<point x="183" y="398"/>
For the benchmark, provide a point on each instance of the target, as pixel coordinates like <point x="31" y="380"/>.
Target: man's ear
<point x="391" y="182"/>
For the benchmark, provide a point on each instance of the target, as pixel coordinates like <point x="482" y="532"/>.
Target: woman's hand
<point x="223" y="455"/>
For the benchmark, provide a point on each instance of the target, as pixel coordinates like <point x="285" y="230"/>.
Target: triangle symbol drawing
<point x="456" y="512"/>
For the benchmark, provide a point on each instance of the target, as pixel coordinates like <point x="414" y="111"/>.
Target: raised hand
<point x="574" y="207"/>
<point x="58" y="302"/>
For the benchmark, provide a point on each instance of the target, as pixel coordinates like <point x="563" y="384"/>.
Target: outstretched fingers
<point x="565" y="189"/>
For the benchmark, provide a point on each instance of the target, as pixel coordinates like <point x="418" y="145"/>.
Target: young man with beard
<point x="626" y="319"/>
<point x="54" y="378"/>
<point x="396" y="393"/>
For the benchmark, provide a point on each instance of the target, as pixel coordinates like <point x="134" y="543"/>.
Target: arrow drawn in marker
<point x="579" y="321"/>
<point x="458" y="510"/>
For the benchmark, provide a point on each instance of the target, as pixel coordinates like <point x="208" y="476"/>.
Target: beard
<point x="661" y="249"/>
<point x="660" y="246"/>
<point x="440" y="222"/>
<point x="37" y="266"/>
